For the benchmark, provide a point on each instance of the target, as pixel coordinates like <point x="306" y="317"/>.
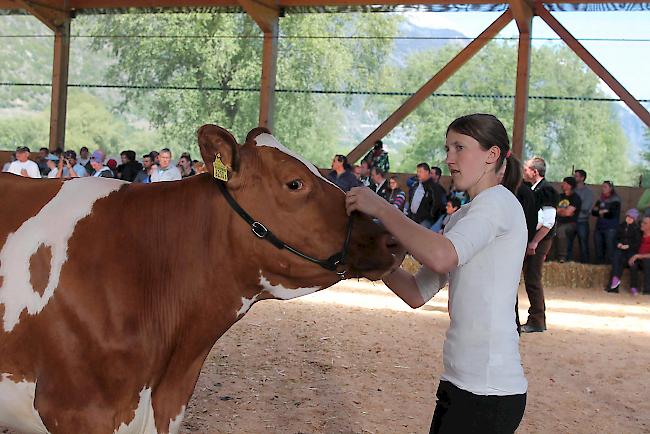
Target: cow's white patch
<point x="52" y="226"/>
<point x="143" y="422"/>
<point x="17" y="406"/>
<point x="246" y="304"/>
<point x="175" y="424"/>
<point x="270" y="141"/>
<point x="283" y="293"/>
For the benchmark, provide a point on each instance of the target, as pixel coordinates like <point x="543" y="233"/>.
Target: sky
<point x="628" y="62"/>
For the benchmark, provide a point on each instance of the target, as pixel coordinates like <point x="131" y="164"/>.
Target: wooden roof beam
<point x="264" y="12"/>
<point x="429" y="87"/>
<point x="52" y="16"/>
<point x="522" y="12"/>
<point x="122" y="4"/>
<point x="592" y="63"/>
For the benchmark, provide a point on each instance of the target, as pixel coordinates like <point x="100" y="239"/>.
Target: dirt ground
<point x="355" y="359"/>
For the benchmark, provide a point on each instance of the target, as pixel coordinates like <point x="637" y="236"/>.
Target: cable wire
<point x="401" y="38"/>
<point x="319" y="91"/>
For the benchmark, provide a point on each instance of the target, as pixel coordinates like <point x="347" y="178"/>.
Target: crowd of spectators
<point x="425" y="200"/>
<point x="156" y="166"/>
<point x="558" y="221"/>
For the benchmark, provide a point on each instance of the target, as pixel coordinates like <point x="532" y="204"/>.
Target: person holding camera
<point x="69" y="167"/>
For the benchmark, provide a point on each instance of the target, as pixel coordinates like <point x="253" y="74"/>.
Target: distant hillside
<point x="359" y="122"/>
<point x="634" y="129"/>
<point x="405" y="47"/>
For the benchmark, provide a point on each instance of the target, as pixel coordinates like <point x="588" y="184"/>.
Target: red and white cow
<point x="112" y="294"/>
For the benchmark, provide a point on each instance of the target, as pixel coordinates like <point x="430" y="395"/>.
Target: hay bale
<point x="575" y="275"/>
<point x="410" y="264"/>
<point x="567" y="275"/>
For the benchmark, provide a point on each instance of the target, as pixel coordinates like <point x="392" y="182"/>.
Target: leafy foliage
<point x="89" y="124"/>
<point x="565" y="133"/>
<point x="302" y="119"/>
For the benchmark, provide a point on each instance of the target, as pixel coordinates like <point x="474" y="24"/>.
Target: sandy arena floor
<point x="355" y="359"/>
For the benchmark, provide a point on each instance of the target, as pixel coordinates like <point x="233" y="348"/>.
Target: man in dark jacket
<point x="426" y="198"/>
<point x="144" y="175"/>
<point x="568" y="209"/>
<point x="129" y="169"/>
<point x="379" y="182"/>
<point x="341" y="175"/>
<point x="546" y="199"/>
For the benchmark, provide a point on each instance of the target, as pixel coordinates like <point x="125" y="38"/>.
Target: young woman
<point x="396" y="196"/>
<point x="480" y="254"/>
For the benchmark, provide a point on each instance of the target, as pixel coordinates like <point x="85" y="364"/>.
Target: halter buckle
<point x="259" y="230"/>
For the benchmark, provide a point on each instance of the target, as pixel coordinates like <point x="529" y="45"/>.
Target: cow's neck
<point x="197" y="281"/>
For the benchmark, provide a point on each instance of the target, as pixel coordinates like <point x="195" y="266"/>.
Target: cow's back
<point x="22" y="198"/>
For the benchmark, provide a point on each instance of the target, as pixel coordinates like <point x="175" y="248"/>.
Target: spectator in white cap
<point x="52" y="165"/>
<point x="97" y="162"/>
<point x="23" y="166"/>
<point x="165" y="171"/>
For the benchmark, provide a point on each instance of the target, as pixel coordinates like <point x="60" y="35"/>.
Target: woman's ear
<point x="493" y="154"/>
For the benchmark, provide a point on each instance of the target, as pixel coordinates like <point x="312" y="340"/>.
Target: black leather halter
<point x="264" y="233"/>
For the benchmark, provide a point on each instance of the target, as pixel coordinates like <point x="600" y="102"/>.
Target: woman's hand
<point x="632" y="260"/>
<point x="365" y="200"/>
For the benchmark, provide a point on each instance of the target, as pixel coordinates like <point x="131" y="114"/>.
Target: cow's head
<point x="290" y="197"/>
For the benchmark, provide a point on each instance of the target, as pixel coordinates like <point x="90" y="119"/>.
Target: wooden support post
<point x="523" y="14"/>
<point x="592" y="63"/>
<point x="425" y="91"/>
<point x="60" y="85"/>
<point x="58" y="20"/>
<point x="266" y="14"/>
<point x="521" y="95"/>
<point x="269" y="70"/>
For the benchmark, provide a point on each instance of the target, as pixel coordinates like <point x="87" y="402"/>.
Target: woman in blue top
<point x="480" y="255"/>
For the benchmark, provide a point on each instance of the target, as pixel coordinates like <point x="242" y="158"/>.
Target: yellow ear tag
<point x="220" y="169"/>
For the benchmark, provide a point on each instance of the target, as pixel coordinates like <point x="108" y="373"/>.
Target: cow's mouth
<point x="376" y="270"/>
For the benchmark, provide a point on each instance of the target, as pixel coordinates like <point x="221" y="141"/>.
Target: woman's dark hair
<point x="454" y="201"/>
<point x="611" y="185"/>
<point x="130" y="155"/>
<point x="344" y="160"/>
<point x="488" y="131"/>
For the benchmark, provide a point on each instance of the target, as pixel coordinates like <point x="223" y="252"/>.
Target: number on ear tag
<point x="220" y="169"/>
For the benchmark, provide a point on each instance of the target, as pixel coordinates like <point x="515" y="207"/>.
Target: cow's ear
<point x="213" y="141"/>
<point x="250" y="137"/>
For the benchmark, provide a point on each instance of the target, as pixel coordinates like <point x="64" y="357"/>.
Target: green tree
<point x="643" y="166"/>
<point x="565" y="133"/>
<point x="305" y="122"/>
<point x="89" y="123"/>
<point x="25" y="59"/>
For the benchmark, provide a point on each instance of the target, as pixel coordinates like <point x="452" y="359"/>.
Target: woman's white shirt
<point x="481" y="349"/>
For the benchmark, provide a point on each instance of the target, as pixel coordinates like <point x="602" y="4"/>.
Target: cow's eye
<point x="294" y="185"/>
